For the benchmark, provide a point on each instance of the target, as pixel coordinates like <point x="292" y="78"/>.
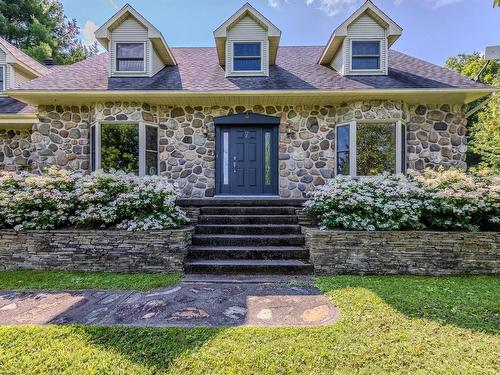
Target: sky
<point x="433" y="30"/>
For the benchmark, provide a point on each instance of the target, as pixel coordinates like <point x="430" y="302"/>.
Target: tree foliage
<point x="485" y="125"/>
<point x="40" y="28"/>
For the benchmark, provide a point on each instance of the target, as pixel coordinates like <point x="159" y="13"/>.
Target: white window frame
<point x="380" y="67"/>
<point x="233" y="57"/>
<point x="125" y="72"/>
<point x="142" y="143"/>
<point x="353" y="146"/>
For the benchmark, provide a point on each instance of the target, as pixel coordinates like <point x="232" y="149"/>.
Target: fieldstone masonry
<point x="413" y="253"/>
<point x="95" y="250"/>
<point x="435" y="136"/>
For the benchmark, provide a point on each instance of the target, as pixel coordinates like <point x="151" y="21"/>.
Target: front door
<point x="247" y="160"/>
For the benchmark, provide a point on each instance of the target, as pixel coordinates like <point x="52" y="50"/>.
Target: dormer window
<point x="365" y="55"/>
<point x="130" y="57"/>
<point x="247" y="57"/>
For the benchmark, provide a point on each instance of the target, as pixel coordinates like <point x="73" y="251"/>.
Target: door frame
<point x="242" y="120"/>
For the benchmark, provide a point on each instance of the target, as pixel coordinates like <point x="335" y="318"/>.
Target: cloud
<point x="329" y="7"/>
<point x="114" y="4"/>
<point x="434" y="4"/>
<point x="88" y="31"/>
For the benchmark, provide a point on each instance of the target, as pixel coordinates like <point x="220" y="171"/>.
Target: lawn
<point x="63" y="280"/>
<point x="388" y="325"/>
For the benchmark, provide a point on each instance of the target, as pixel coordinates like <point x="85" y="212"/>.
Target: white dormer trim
<point x="337" y="43"/>
<point x="270" y="40"/>
<point x="154" y="41"/>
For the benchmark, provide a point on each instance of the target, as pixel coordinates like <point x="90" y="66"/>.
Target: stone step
<point x="247" y="219"/>
<point x="247" y="252"/>
<point x="265" y="229"/>
<point x="247" y="210"/>
<point x="249" y="266"/>
<point x="240" y="201"/>
<point x="247" y="240"/>
<point x="235" y="278"/>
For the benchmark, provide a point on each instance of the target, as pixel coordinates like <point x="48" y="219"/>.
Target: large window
<point x="247" y="57"/>
<point x="130" y="57"/>
<point x="132" y="148"/>
<point x="370" y="149"/>
<point x="2" y="78"/>
<point x="365" y="55"/>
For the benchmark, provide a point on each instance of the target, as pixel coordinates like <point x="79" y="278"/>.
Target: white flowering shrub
<point x="446" y="200"/>
<point x="386" y="202"/>
<point x="127" y="201"/>
<point x="58" y="199"/>
<point x="456" y="200"/>
<point x="36" y="202"/>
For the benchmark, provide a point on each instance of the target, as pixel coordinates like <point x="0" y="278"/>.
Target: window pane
<point x="92" y="148"/>
<point x="343" y="138"/>
<point x="151" y="163"/>
<point x="225" y="157"/>
<point x="343" y="163"/>
<point x="403" y="149"/>
<point x="1" y="79"/>
<point x="365" y="63"/>
<point x="366" y="48"/>
<point x="246" y="64"/>
<point x="152" y="138"/>
<point x="375" y="149"/>
<point x="130" y="65"/>
<point x="120" y="147"/>
<point x="130" y="50"/>
<point x="267" y="158"/>
<point x="246" y="49"/>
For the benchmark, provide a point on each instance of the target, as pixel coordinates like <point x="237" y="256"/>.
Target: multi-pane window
<point x="247" y="57"/>
<point x="131" y="148"/>
<point x="365" y="55"/>
<point x="130" y="57"/>
<point x="2" y="78"/>
<point x="370" y="149"/>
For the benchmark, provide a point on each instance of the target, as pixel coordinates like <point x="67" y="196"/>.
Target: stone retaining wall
<point x="95" y="250"/>
<point x="414" y="253"/>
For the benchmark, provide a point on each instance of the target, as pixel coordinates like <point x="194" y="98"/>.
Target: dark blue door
<point x="247" y="160"/>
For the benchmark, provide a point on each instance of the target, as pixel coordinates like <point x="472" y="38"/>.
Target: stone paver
<point x="184" y="305"/>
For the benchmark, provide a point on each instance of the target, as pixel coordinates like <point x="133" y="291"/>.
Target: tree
<point x="496" y="3"/>
<point x="40" y="28"/>
<point x="484" y="129"/>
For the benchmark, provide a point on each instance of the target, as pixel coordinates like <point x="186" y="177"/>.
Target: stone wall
<point x="414" y="253"/>
<point x="95" y="250"/>
<point x="15" y="149"/>
<point x="436" y="136"/>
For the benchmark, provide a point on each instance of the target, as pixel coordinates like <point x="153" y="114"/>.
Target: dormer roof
<point x="155" y="36"/>
<point x="393" y="30"/>
<point x="274" y="34"/>
<point x="22" y="61"/>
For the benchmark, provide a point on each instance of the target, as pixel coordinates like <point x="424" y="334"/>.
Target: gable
<point x="365" y="27"/>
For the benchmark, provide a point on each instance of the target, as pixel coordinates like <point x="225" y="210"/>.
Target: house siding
<point x="338" y="61"/>
<point x="247" y="30"/>
<point x="130" y="30"/>
<point x="365" y="28"/>
<point x="8" y="70"/>
<point x="19" y="77"/>
<point x="435" y="137"/>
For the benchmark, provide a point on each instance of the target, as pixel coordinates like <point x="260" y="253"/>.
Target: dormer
<point x="247" y="43"/>
<point x="360" y="45"/>
<point x="16" y="67"/>
<point x="136" y="48"/>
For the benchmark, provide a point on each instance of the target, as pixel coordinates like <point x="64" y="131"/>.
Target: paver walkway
<point x="187" y="305"/>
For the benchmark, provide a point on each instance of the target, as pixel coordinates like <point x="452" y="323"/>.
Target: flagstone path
<point x="186" y="305"/>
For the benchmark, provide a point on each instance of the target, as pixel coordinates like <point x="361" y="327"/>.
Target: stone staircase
<point x="248" y="239"/>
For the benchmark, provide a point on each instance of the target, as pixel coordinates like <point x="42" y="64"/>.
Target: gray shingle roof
<point x="23" y="58"/>
<point x="11" y="106"/>
<point x="296" y="69"/>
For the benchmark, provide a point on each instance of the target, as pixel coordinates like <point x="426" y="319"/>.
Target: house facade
<point x="246" y="117"/>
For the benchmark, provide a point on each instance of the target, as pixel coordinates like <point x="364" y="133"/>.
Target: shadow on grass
<point x="155" y="349"/>
<point x="468" y="302"/>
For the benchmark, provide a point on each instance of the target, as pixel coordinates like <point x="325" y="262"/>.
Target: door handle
<point x="234" y="167"/>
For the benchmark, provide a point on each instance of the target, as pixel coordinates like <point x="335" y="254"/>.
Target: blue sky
<point x="432" y="29"/>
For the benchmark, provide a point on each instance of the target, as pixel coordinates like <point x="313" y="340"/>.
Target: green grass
<point x="405" y="325"/>
<point x="63" y="280"/>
